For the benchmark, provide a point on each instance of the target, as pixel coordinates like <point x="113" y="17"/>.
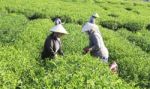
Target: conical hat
<point x="59" y="28"/>
<point x="95" y="15"/>
<point x="89" y="26"/>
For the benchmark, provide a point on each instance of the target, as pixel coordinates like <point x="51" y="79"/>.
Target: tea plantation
<point x="25" y="24"/>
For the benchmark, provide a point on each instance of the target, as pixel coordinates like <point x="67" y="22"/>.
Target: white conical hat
<point x="95" y="15"/>
<point x="59" y="28"/>
<point x="89" y="26"/>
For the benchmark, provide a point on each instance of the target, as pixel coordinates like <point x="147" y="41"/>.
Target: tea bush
<point x="12" y="21"/>
<point x="8" y="36"/>
<point x="113" y="15"/>
<point x="25" y="25"/>
<point x="148" y="27"/>
<point x="128" y="8"/>
<point x="64" y="18"/>
<point x="34" y="35"/>
<point x="13" y="63"/>
<point x="114" y="25"/>
<point x="71" y="71"/>
<point x="126" y="54"/>
<point x="10" y="26"/>
<point x="133" y="26"/>
<point x="140" y="39"/>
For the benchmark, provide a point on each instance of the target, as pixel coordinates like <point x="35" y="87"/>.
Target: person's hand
<point x="114" y="67"/>
<point x="86" y="50"/>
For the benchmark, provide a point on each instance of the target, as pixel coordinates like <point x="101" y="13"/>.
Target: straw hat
<point x="59" y="28"/>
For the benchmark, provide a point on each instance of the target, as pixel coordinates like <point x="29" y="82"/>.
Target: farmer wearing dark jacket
<point x="96" y="46"/>
<point x="52" y="45"/>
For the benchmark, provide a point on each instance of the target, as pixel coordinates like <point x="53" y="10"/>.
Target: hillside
<point x="25" y="24"/>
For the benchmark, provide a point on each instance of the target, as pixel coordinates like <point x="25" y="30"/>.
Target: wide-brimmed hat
<point x="95" y="15"/>
<point x="59" y="29"/>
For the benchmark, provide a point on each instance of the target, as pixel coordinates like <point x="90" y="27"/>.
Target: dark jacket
<point x="49" y="50"/>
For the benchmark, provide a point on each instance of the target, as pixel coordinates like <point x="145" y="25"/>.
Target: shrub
<point x="18" y="70"/>
<point x="10" y="26"/>
<point x="131" y="65"/>
<point x="133" y="26"/>
<point x="8" y="36"/>
<point x="80" y="21"/>
<point x="64" y="18"/>
<point x="71" y="71"/>
<point x="137" y="4"/>
<point x="13" y="22"/>
<point x="114" y="25"/>
<point x="13" y="63"/>
<point x="123" y="3"/>
<point x="10" y="10"/>
<point x="137" y="12"/>
<point x="113" y="15"/>
<point x="36" y="15"/>
<point x="148" y="27"/>
<point x="111" y="2"/>
<point x="140" y="41"/>
<point x="105" y="8"/>
<point x="128" y="8"/>
<point x="79" y="73"/>
<point x="33" y="37"/>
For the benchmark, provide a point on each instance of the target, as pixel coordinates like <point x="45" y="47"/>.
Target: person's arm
<point x="52" y="52"/>
<point x="60" y="51"/>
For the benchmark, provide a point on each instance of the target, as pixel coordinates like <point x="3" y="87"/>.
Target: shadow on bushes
<point x="111" y="2"/>
<point x="105" y="8"/>
<point x="10" y="10"/>
<point x="137" y="12"/>
<point x="31" y="15"/>
<point x="128" y="8"/>
<point x="80" y="22"/>
<point x="123" y="3"/>
<point x="110" y="24"/>
<point x="113" y="15"/>
<point x="36" y="16"/>
<point x="143" y="85"/>
<point x="133" y="26"/>
<point x="148" y="27"/>
<point x="64" y="18"/>
<point x="97" y="1"/>
<point x="137" y="4"/>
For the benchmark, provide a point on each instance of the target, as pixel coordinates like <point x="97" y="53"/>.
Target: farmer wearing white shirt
<point x="96" y="46"/>
<point x="52" y="45"/>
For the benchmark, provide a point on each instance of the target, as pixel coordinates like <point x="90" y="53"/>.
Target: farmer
<point x="52" y="45"/>
<point x="96" y="46"/>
